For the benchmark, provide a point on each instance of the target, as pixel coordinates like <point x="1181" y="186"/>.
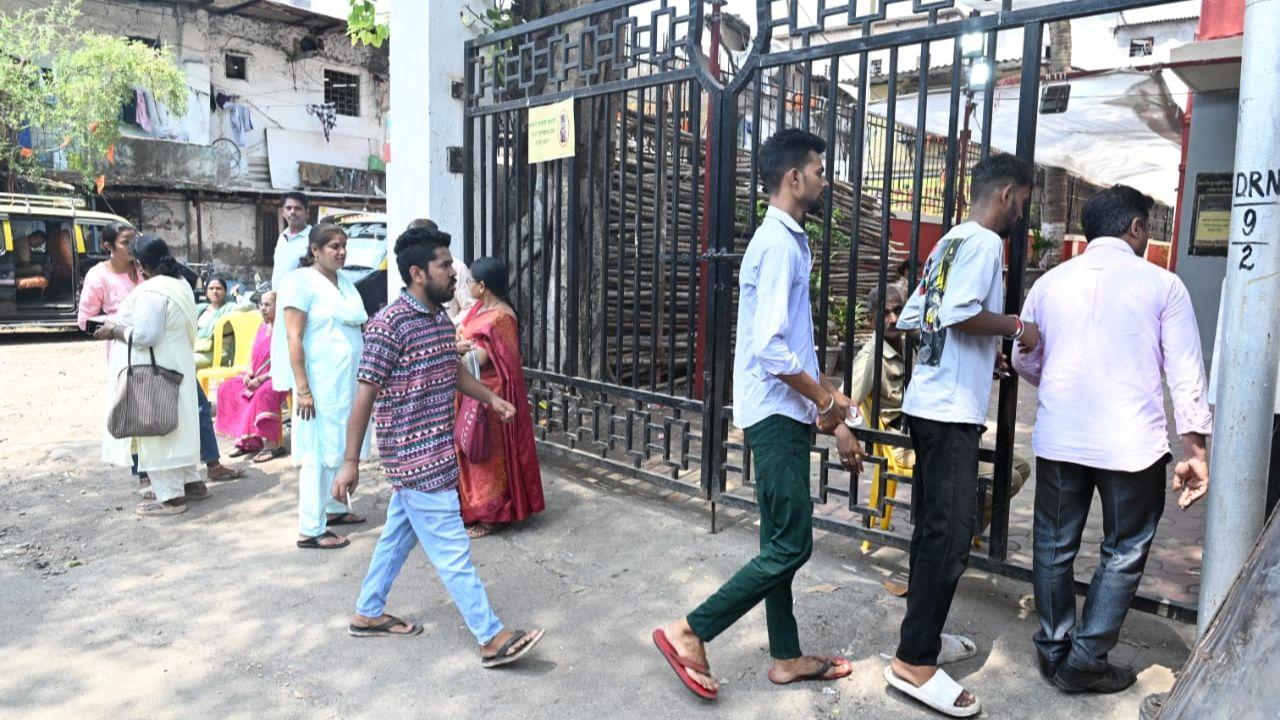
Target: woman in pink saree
<point x="506" y="485"/>
<point x="248" y="406"/>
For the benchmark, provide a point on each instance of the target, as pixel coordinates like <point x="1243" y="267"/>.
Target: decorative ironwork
<point x="624" y="257"/>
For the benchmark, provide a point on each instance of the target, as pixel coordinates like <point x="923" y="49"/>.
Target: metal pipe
<point x="1250" y="316"/>
<point x="700" y="339"/>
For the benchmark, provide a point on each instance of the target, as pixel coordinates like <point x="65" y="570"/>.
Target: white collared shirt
<point x="1113" y="329"/>
<point x="290" y="247"/>
<point x="775" y="324"/>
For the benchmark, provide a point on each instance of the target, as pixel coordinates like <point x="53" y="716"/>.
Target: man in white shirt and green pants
<point x="778" y="395"/>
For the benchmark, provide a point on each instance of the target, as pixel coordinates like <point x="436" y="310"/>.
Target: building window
<point x="237" y="67"/>
<point x="343" y="90"/>
<point x="877" y="66"/>
<point x="1141" y="47"/>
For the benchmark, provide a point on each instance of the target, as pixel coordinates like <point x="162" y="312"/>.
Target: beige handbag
<point x="146" y="403"/>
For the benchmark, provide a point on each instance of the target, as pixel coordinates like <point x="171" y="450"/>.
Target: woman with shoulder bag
<point x="156" y="326"/>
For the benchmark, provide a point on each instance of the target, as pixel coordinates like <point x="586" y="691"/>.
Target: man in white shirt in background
<point x="956" y="308"/>
<point x="292" y="243"/>
<point x="778" y="396"/>
<point x="1115" y="327"/>
<point x="291" y="246"/>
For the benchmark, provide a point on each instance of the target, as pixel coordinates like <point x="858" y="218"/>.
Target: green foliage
<point x="363" y="25"/>
<point x="70" y="85"/>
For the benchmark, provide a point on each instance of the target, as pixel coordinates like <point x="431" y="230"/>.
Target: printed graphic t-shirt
<point x="952" y="379"/>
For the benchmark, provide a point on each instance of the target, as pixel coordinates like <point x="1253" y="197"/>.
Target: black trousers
<point x="944" y="502"/>
<point x="1273" y="478"/>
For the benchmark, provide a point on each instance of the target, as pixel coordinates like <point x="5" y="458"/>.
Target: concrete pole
<point x="1251" y="320"/>
<point x="426" y="120"/>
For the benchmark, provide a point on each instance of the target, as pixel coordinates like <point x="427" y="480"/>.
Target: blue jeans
<point x="1132" y="503"/>
<point x="435" y="520"/>
<point x="208" y="440"/>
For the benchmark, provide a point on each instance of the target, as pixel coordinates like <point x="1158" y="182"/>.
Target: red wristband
<point x="1018" y="327"/>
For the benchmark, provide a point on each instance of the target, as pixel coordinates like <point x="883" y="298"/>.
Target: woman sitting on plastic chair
<point x="248" y="405"/>
<point x="215" y="289"/>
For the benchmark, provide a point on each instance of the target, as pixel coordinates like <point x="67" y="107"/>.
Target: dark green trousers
<point x="780" y="447"/>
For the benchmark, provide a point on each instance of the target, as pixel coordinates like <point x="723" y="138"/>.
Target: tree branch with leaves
<point x="64" y="88"/>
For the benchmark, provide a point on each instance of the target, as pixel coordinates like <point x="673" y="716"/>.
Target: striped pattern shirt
<point x="410" y="355"/>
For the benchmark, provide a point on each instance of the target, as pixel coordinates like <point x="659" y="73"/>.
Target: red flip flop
<point x="679" y="664"/>
<point x="828" y="663"/>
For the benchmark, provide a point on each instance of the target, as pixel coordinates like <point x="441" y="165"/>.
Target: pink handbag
<point x="472" y="430"/>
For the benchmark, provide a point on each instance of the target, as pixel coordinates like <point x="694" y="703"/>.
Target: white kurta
<point x="332" y="342"/>
<point x="161" y="315"/>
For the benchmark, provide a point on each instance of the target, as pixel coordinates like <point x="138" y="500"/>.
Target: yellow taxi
<point x="47" y="244"/>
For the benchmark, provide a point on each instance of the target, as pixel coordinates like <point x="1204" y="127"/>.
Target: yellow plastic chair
<point x="892" y="466"/>
<point x="244" y="328"/>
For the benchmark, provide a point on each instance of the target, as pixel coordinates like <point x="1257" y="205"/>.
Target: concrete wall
<point x="230" y="231"/>
<point x="278" y="90"/>
<point x="1211" y="148"/>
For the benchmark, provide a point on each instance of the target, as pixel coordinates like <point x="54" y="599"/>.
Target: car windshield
<point x="366" y="244"/>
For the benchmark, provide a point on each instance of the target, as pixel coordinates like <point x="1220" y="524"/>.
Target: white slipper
<point x="940" y="693"/>
<point x="956" y="648"/>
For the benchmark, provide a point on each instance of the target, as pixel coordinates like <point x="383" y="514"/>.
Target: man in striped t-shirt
<point x="408" y="375"/>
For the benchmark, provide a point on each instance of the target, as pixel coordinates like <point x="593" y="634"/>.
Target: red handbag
<point x="472" y="430"/>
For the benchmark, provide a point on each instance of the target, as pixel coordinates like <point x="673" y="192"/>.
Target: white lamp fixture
<point x="979" y="74"/>
<point x="972" y="44"/>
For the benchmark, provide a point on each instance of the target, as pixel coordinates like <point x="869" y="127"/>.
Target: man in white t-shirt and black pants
<point x="956" y="309"/>
<point x="290" y="247"/>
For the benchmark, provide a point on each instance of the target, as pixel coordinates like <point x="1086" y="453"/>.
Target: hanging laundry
<point x="140" y="111"/>
<point x="153" y="112"/>
<point x="241" y="121"/>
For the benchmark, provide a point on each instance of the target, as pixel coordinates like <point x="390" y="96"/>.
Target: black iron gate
<point x="623" y="254"/>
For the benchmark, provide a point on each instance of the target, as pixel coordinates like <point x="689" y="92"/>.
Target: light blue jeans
<point x="435" y="520"/>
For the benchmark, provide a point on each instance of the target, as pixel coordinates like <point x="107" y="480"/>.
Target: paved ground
<point x="1173" y="568"/>
<point x="216" y="615"/>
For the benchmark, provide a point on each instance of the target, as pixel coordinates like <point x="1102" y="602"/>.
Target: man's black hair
<point x="788" y="149"/>
<point x="296" y="196"/>
<point x="418" y="246"/>
<point x="998" y="171"/>
<point x="1110" y="212"/>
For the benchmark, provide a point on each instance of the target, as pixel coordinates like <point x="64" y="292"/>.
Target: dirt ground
<point x="215" y="614"/>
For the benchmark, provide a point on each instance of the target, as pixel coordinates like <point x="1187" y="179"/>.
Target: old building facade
<point x="278" y="100"/>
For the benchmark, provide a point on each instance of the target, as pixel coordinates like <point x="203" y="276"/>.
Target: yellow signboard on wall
<point x="551" y="132"/>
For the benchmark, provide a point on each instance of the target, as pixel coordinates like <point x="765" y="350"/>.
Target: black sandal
<point x="313" y="543"/>
<point x="347" y="518"/>
<point x="383" y="629"/>
<point x="506" y="654"/>
<point x="268" y="454"/>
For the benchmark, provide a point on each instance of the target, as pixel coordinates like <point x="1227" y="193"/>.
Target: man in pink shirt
<point x="1112" y="327"/>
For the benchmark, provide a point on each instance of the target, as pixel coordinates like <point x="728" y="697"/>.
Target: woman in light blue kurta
<point x="323" y="316"/>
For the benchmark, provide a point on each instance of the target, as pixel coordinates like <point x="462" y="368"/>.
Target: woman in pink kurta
<point x="248" y="405"/>
<point x="108" y="283"/>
